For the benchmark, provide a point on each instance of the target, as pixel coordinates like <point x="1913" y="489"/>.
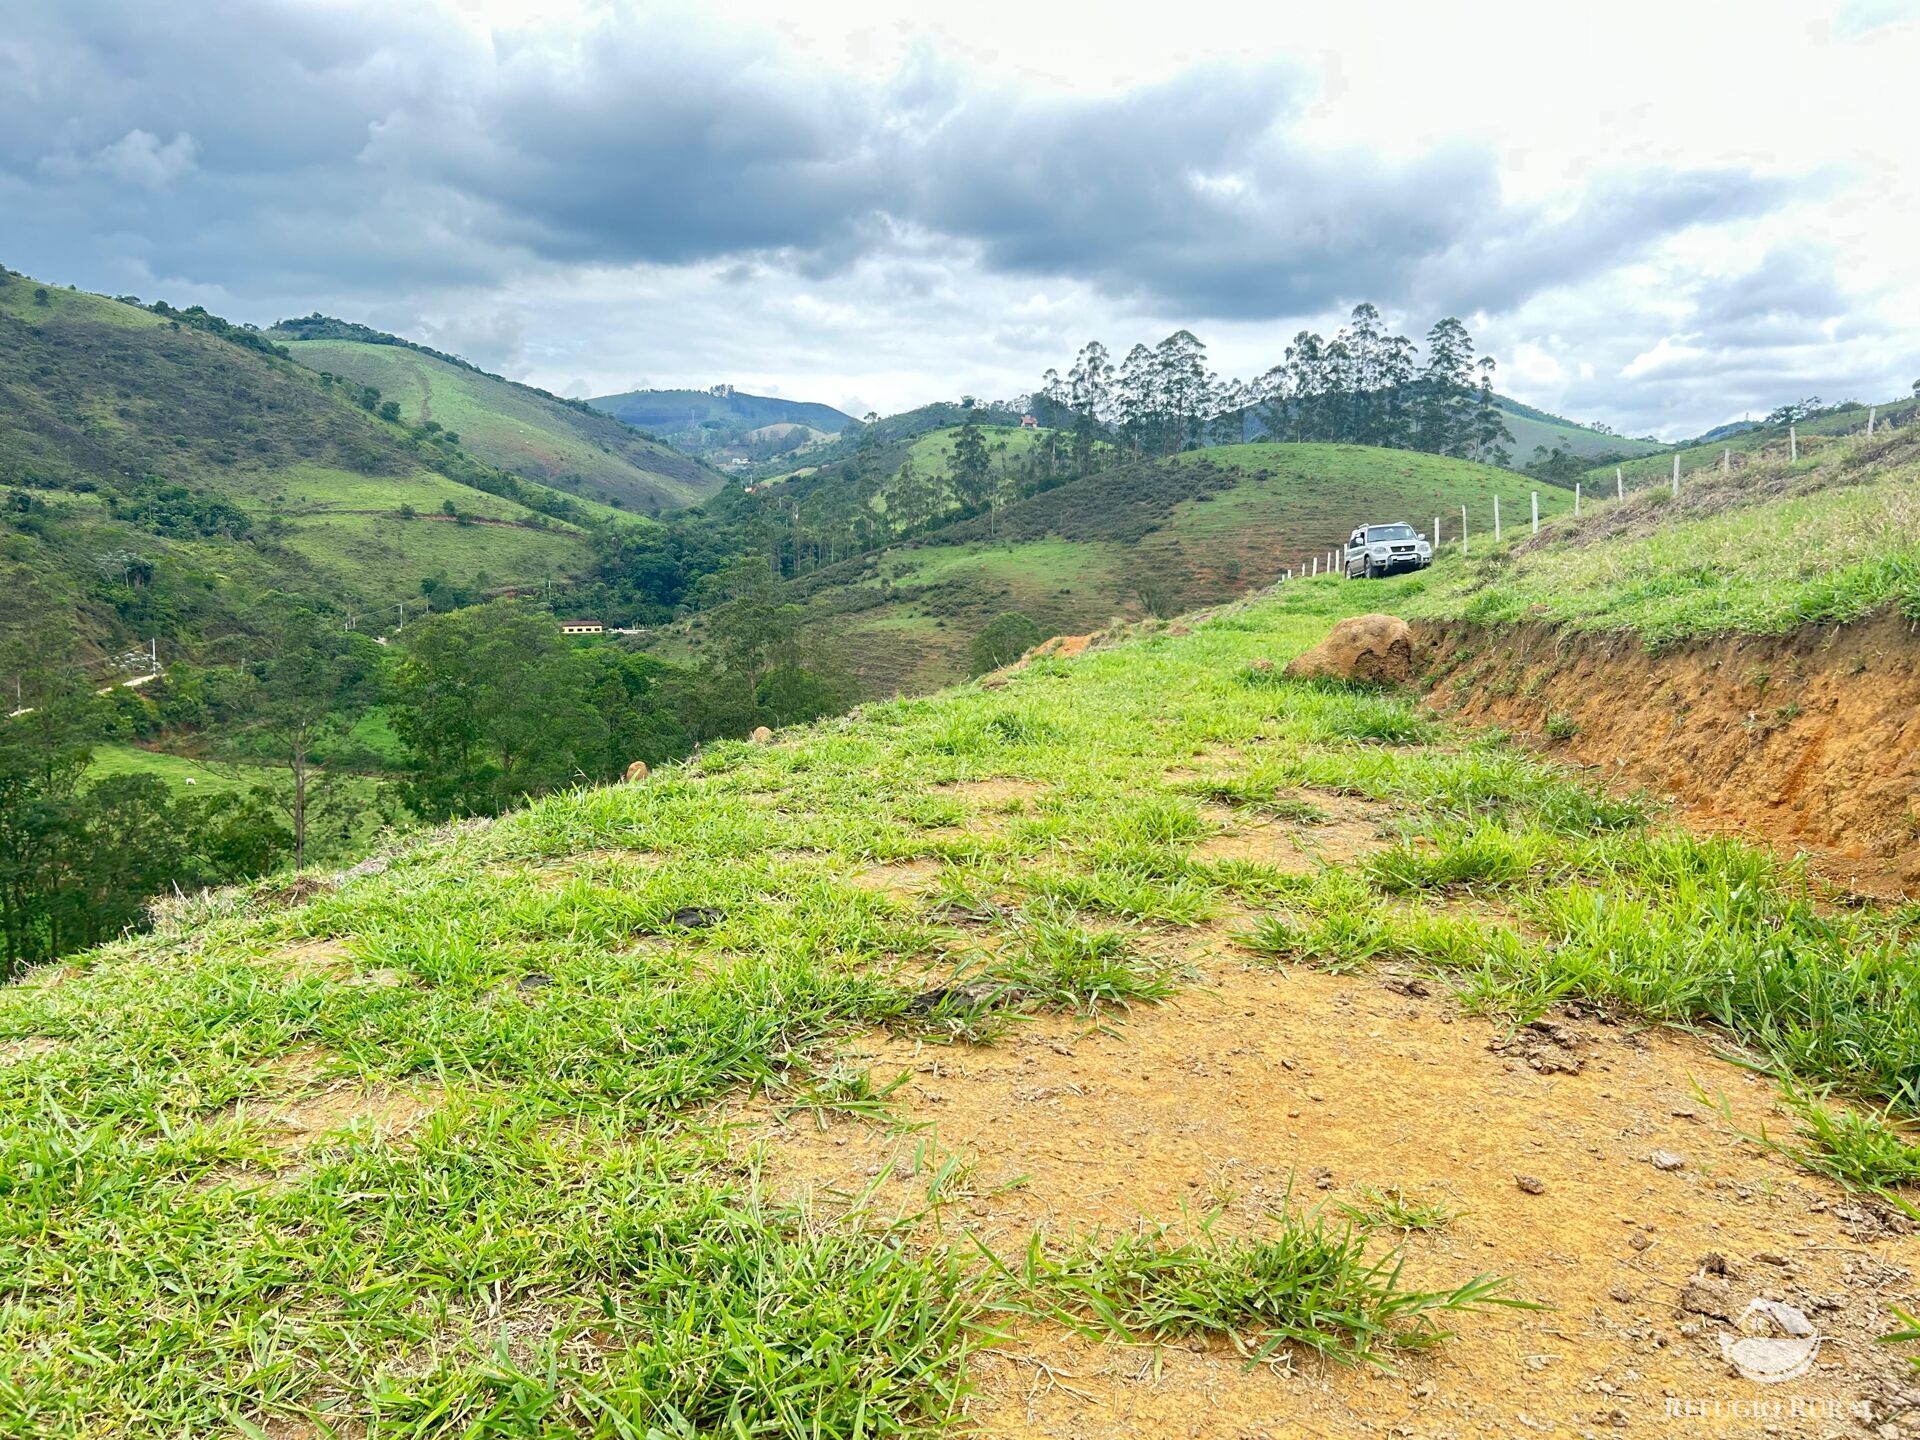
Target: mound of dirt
<point x="1372" y="649"/>
<point x="1060" y="647"/>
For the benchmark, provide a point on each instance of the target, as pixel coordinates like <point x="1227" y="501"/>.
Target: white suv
<point x="1375" y="550"/>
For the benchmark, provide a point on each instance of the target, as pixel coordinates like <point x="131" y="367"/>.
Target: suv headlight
<point x="1380" y="550"/>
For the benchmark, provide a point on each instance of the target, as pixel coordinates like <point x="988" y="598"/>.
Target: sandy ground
<point x="1255" y="1084"/>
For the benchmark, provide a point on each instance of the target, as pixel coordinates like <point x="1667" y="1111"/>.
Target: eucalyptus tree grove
<point x="1364" y="385"/>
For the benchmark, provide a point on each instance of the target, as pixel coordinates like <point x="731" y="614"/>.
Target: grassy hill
<point x="1156" y="538"/>
<point x="840" y="1086"/>
<point x="1755" y="444"/>
<point x="163" y="468"/>
<point x="528" y="432"/>
<point x="1765" y="549"/>
<point x="1537" y="428"/>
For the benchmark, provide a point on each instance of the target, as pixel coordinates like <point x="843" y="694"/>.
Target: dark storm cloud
<point x="283" y="150"/>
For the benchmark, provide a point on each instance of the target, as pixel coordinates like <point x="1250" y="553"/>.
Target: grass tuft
<point x="1309" y="1284"/>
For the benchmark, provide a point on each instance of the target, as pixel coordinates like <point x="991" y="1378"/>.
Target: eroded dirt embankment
<point x="1808" y="741"/>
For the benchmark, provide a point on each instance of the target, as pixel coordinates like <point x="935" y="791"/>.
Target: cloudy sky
<point x="1657" y="215"/>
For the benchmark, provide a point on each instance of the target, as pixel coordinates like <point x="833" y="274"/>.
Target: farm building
<point x="582" y="627"/>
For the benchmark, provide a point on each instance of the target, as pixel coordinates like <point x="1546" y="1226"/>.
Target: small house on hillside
<point x="582" y="627"/>
<point x="1027" y="422"/>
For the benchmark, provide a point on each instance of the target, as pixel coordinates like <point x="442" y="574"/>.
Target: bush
<point x="1007" y="637"/>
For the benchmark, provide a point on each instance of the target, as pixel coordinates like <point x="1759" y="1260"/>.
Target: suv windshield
<point x="1378" y="533"/>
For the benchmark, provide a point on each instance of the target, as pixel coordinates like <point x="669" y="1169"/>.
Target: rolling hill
<point x="1155" y="538"/>
<point x="1537" y="428"/>
<point x="528" y="432"/>
<point x="163" y="468"/>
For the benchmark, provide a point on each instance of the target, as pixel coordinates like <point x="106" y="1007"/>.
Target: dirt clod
<point x="1531" y="1184"/>
<point x="1369" y="649"/>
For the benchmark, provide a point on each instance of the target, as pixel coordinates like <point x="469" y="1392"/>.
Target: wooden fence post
<point x="1619" y="484"/>
<point x="1463" y="532"/>
<point x="1496" y="519"/>
<point x="1536" y="512"/>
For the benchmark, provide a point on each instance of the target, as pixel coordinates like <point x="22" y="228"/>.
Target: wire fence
<point x="1491" y="525"/>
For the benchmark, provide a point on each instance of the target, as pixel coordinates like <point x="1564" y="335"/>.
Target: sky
<point x="1657" y="216"/>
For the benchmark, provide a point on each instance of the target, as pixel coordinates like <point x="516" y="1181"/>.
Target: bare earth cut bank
<point x="1808" y="741"/>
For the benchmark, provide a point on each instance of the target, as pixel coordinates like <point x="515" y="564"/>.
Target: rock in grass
<point x="761" y="735"/>
<point x="637" y="770"/>
<point x="1667" y="1160"/>
<point x="1369" y="649"/>
<point x="696" y="917"/>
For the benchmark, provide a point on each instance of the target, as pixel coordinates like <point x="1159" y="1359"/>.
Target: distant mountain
<point x="724" y="424"/>
<point x="1726" y="432"/>
<point x="564" y="443"/>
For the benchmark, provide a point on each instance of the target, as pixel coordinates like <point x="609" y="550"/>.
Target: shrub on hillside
<point x="1007" y="637"/>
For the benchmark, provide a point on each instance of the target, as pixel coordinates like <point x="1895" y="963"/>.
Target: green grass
<point x="565" y="1242"/>
<point x="1765" y="443"/>
<point x="177" y="770"/>
<point x="1531" y="428"/>
<point x="1162" y="538"/>
<point x="1764" y="551"/>
<point x="384" y="556"/>
<point x="1311" y="1284"/>
<point x="519" y="429"/>
<point x="1863" y="1149"/>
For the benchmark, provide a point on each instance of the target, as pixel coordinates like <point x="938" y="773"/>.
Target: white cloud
<point x="1645" y="210"/>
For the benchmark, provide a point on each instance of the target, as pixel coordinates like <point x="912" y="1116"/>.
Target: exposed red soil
<point x="1807" y="742"/>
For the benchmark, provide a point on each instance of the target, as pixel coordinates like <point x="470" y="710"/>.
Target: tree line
<point x="1364" y="385"/>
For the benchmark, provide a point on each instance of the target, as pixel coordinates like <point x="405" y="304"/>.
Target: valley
<point x="1106" y="1037"/>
